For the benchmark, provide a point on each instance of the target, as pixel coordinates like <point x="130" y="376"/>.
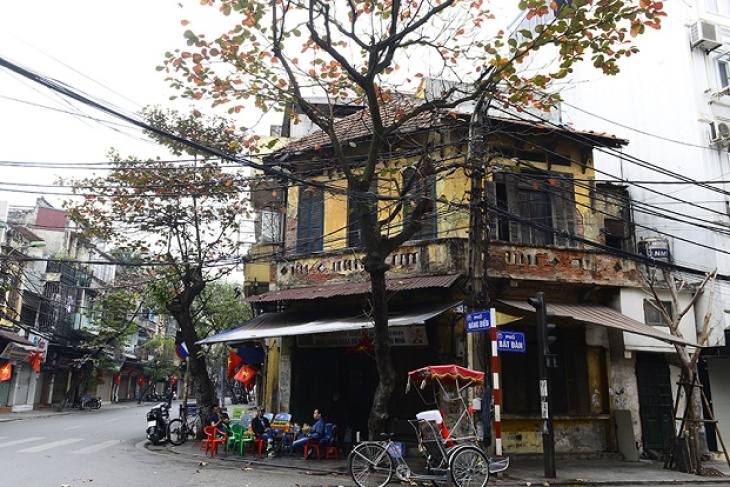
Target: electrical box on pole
<point x="545" y="359"/>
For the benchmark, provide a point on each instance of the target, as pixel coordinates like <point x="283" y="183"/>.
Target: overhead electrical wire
<point x="266" y="169"/>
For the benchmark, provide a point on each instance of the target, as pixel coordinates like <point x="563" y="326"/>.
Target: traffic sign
<point x="511" y="341"/>
<point x="479" y="321"/>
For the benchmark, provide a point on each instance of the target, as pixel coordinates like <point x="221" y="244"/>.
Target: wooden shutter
<point x="563" y="203"/>
<point x="310" y="220"/>
<point x="511" y="185"/>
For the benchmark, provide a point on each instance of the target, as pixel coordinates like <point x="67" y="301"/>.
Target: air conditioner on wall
<point x="720" y="133"/>
<point x="704" y="34"/>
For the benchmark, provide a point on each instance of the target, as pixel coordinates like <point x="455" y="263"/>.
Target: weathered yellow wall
<point x="273" y="356"/>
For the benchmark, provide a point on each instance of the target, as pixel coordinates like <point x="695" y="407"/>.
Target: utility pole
<point x="545" y="359"/>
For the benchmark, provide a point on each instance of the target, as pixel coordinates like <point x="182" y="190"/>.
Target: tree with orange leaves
<point x="371" y="53"/>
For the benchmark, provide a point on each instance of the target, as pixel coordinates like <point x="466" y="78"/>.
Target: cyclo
<point x="451" y="451"/>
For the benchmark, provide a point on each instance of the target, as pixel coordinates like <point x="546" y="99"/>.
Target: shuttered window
<point x="422" y="187"/>
<point x="532" y="208"/>
<point x="310" y="220"/>
<point x="354" y="227"/>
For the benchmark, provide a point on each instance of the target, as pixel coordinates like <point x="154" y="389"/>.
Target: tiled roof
<point x="359" y="126"/>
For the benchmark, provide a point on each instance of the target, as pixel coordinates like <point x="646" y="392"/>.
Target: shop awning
<point x="353" y="288"/>
<point x="269" y="325"/>
<point x="14" y="337"/>
<point x="602" y="316"/>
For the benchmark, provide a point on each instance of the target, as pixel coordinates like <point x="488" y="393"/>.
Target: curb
<point x="222" y="459"/>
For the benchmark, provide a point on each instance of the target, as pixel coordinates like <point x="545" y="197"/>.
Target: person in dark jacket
<point x="261" y="426"/>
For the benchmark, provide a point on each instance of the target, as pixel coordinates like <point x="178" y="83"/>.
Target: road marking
<point x="17" y="442"/>
<point x="48" y="446"/>
<point x="96" y="448"/>
<point x="112" y="420"/>
<point x="72" y="427"/>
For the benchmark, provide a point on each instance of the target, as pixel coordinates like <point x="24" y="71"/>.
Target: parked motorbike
<point x="90" y="402"/>
<point x="157" y="419"/>
<point x="87" y="401"/>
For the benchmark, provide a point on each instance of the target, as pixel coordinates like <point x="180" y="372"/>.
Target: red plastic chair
<point x="214" y="438"/>
<point x="259" y="445"/>
<point x="313" y="445"/>
<point x="331" y="448"/>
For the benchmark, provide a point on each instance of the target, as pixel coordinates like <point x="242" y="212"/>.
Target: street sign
<point x="511" y="341"/>
<point x="479" y="321"/>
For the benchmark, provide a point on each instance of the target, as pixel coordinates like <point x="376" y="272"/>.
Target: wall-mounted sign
<point x="41" y="344"/>
<point x="478" y="321"/>
<point x="16" y="351"/>
<point x="511" y="341"/>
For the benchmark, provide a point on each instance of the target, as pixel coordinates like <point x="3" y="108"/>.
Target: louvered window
<point x="421" y="187"/>
<point x="532" y="208"/>
<point x="310" y="220"/>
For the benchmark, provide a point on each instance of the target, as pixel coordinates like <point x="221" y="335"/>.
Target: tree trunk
<point x="180" y="308"/>
<point x="386" y="373"/>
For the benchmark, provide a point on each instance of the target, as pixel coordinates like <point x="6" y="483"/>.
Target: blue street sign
<point x="511" y="341"/>
<point x="479" y="321"/>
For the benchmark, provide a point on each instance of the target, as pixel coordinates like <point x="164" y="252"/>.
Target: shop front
<point x="315" y="363"/>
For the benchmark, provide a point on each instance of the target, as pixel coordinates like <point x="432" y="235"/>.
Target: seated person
<point x="316" y="433"/>
<point x="261" y="426"/>
<point x="220" y="420"/>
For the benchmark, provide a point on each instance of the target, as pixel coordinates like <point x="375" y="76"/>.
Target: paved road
<point x="106" y="448"/>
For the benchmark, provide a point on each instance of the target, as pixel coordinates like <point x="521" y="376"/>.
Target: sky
<point x="106" y="49"/>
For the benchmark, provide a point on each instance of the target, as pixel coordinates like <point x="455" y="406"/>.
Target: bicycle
<point x="449" y="457"/>
<point x="373" y="463"/>
<point x="186" y="425"/>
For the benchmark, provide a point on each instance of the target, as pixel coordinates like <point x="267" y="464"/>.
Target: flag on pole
<point x="234" y="360"/>
<point x="180" y="348"/>
<point x="245" y="374"/>
<point x="6" y="371"/>
<point x="35" y="360"/>
<point x="182" y="351"/>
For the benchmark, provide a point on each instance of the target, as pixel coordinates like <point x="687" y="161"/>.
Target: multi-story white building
<point x="672" y="103"/>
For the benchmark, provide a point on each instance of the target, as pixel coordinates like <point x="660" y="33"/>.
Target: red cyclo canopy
<point x="446" y="374"/>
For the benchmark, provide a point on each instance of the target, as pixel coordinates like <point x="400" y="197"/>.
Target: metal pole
<point x="496" y="391"/>
<point x="546" y="412"/>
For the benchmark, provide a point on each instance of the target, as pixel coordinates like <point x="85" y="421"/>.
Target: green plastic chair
<point x="235" y="439"/>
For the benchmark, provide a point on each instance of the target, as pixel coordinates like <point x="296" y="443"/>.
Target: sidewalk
<point x="523" y="471"/>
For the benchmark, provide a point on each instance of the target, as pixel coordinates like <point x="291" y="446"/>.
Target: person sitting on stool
<point x="316" y="433"/>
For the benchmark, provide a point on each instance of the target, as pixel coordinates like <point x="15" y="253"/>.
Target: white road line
<point x="24" y="440"/>
<point x="72" y="427"/>
<point x="112" y="420"/>
<point x="97" y="447"/>
<point x="48" y="446"/>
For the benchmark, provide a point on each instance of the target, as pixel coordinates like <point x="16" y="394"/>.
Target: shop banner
<point x="402" y="336"/>
<point x="16" y="351"/>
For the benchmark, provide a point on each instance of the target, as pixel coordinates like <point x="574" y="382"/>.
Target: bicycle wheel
<point x="176" y="432"/>
<point x="469" y="467"/>
<point x="370" y="465"/>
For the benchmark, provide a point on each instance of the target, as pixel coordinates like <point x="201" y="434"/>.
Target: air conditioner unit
<point x="720" y="133"/>
<point x="704" y="35"/>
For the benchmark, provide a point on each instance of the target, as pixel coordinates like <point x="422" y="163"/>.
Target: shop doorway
<point x="655" y="401"/>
